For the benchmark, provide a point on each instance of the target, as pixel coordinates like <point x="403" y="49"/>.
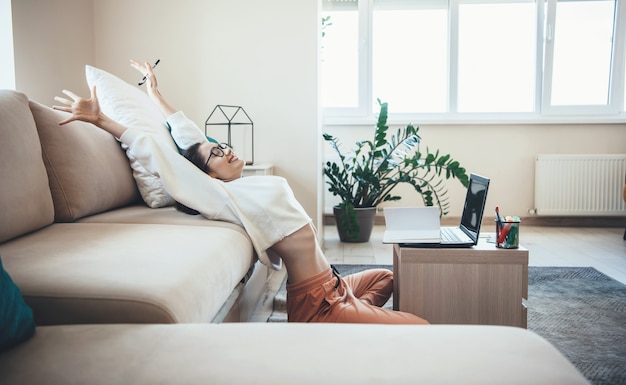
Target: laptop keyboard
<point x="448" y="235"/>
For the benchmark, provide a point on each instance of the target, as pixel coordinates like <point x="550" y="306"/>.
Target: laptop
<point x="426" y="220"/>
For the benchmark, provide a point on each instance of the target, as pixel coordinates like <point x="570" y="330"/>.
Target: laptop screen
<point x="474" y="207"/>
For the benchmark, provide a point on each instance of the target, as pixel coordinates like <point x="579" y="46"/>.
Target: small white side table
<point x="258" y="169"/>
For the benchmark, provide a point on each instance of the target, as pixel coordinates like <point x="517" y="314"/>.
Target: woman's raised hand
<point x="145" y="69"/>
<point x="86" y="110"/>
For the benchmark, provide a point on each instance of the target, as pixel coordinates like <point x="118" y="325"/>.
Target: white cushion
<point x="132" y="107"/>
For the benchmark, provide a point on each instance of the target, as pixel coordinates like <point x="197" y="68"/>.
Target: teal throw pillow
<point x="16" y="318"/>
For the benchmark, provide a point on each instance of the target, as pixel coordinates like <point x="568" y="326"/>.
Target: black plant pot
<point x="364" y="224"/>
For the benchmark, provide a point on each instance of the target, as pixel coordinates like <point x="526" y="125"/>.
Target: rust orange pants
<point x="356" y="298"/>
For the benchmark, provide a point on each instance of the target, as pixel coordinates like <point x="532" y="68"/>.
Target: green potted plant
<point x="367" y="175"/>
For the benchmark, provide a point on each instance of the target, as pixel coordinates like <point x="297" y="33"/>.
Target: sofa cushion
<point x="127" y="273"/>
<point x="25" y="199"/>
<point x="164" y="215"/>
<point x="132" y="107"/>
<point x="16" y="318"/>
<point x="287" y="353"/>
<point x="87" y="169"/>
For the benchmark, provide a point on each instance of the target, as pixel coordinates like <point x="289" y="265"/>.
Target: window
<point x="496" y="57"/>
<point x="461" y="59"/>
<point x="408" y="71"/>
<point x="340" y="56"/>
<point x="579" y="58"/>
<point x="7" y="66"/>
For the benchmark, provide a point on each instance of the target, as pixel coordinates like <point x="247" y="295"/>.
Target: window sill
<point x="471" y="119"/>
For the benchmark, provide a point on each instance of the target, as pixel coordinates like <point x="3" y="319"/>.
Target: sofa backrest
<point x="88" y="171"/>
<point x="25" y="198"/>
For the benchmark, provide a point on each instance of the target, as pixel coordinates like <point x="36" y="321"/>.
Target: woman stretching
<point x="278" y="226"/>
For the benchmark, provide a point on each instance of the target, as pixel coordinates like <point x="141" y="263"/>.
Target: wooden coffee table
<point x="479" y="285"/>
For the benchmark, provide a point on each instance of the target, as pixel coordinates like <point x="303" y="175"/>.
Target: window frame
<point x="543" y="112"/>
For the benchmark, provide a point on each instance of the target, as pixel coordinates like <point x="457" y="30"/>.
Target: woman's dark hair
<point x="193" y="155"/>
<point x="185" y="209"/>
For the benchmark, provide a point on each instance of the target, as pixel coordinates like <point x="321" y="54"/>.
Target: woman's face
<point x="222" y="163"/>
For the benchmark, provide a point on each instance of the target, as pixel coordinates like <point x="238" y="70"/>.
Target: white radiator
<point x="580" y="185"/>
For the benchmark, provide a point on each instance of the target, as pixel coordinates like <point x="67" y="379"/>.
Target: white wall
<point x="53" y="41"/>
<point x="505" y="153"/>
<point x="261" y="55"/>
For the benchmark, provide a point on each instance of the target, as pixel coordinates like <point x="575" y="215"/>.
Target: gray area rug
<point x="581" y="311"/>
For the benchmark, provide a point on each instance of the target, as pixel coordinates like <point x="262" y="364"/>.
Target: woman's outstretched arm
<point x="88" y="110"/>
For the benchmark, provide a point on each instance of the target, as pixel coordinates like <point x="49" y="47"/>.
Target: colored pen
<point x="498" y="218"/>
<point x="499" y="225"/>
<point x="145" y="78"/>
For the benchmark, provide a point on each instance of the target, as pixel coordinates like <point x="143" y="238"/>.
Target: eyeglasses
<point x="217" y="151"/>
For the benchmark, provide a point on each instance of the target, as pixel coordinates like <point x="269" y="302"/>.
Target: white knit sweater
<point x="263" y="205"/>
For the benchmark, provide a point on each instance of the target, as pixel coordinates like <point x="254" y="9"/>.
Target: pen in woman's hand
<point x="145" y="77"/>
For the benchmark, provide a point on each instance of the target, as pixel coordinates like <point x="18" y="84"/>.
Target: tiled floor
<point x="601" y="248"/>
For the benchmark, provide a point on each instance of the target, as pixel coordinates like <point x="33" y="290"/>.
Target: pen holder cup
<point x="507" y="234"/>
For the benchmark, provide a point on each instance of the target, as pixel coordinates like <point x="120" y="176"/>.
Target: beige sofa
<point x="83" y="247"/>
<point x="126" y="294"/>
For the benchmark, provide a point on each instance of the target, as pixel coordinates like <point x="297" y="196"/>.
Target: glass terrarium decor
<point x="239" y="130"/>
